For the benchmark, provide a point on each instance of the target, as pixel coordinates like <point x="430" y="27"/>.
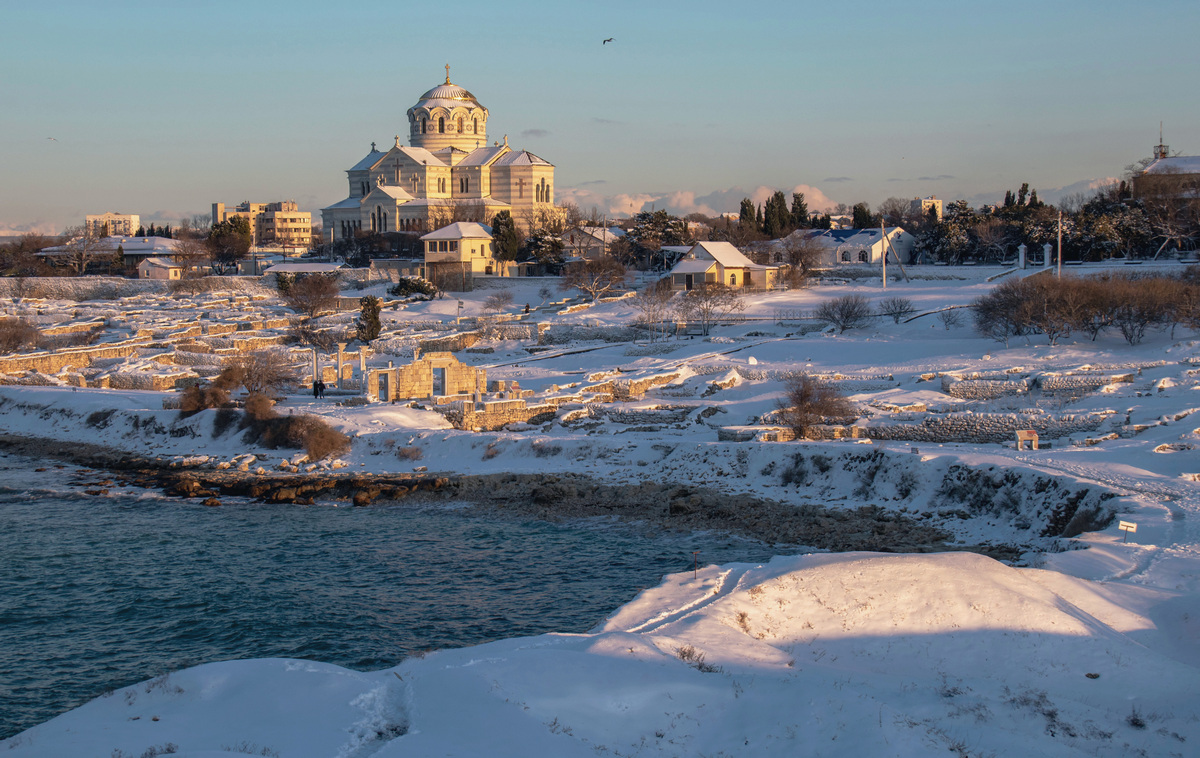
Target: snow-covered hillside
<point x="1093" y="652"/>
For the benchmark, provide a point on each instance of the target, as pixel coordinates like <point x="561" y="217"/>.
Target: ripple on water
<point x="101" y="592"/>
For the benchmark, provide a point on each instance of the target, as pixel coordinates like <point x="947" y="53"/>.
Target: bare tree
<point x="312" y="293"/>
<point x="191" y="252"/>
<point x="802" y="253"/>
<point x="896" y="308"/>
<point x="709" y="303"/>
<point x="653" y="304"/>
<point x="846" y="312"/>
<point x="260" y="372"/>
<point x="807" y="402"/>
<point x="83" y="248"/>
<point x="595" y="277"/>
<point x="497" y="301"/>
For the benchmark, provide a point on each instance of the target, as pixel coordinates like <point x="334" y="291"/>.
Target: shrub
<point x="198" y="398"/>
<point x="309" y="433"/>
<point x="807" y="402"/>
<point x="846" y="312"/>
<point x="896" y="307"/>
<point x="411" y="285"/>
<point x="260" y="406"/>
<point x="409" y="453"/>
<point x="17" y="333"/>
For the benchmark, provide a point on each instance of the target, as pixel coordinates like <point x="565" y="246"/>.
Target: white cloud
<point x="683" y="202"/>
<point x="35" y="227"/>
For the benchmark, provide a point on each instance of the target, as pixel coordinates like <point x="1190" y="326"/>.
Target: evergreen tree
<point x="1021" y="193"/>
<point x="799" y="212"/>
<point x="141" y="232"/>
<point x="1033" y="200"/>
<point x="861" y="216"/>
<point x="746" y="214"/>
<point x="507" y="239"/>
<point x="758" y="218"/>
<point x="776" y="219"/>
<point x="368" y="325"/>
<point x="1009" y="201"/>
<point x="118" y="259"/>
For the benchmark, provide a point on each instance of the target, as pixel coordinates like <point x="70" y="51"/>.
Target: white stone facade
<point x="447" y="173"/>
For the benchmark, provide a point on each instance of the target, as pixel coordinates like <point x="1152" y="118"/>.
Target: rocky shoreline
<point x="549" y="497"/>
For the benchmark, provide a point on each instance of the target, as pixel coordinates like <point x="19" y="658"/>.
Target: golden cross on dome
<point x="447" y="73"/>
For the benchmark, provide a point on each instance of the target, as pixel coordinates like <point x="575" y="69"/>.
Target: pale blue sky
<point x="163" y="108"/>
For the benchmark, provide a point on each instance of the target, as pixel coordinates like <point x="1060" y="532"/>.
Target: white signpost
<point x="1127" y="527"/>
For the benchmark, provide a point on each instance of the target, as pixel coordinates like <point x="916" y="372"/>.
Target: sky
<point x="161" y="109"/>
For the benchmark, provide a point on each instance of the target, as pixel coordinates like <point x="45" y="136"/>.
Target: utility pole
<point x="1059" y="245"/>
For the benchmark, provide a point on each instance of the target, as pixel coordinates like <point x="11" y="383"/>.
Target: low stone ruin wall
<point x="984" y="427"/>
<point x="983" y="389"/>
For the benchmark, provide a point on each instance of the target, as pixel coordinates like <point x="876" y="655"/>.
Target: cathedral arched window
<point x="441" y="124"/>
<point x="862" y="256"/>
<point x="424" y="125"/>
<point x="476" y="128"/>
<point x="460" y="124"/>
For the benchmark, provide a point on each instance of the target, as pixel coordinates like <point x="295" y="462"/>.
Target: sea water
<point x="99" y="591"/>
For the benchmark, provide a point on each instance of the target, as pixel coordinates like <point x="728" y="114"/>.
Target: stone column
<point x="340" y="358"/>
<point x="1046" y="248"/>
<point x="1021" y="251"/>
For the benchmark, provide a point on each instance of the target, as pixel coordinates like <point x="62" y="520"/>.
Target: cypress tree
<point x="799" y="211"/>
<point x="746" y="214"/>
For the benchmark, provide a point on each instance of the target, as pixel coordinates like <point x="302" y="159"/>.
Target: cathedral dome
<point x="451" y="94"/>
<point x="448" y="116"/>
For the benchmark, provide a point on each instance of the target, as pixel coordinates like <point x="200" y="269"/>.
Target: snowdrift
<point x="846" y="654"/>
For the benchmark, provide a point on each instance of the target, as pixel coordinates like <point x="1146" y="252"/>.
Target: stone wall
<point x="985" y="427"/>
<point x="469" y="415"/>
<point x="983" y="389"/>
<point x="629" y="389"/>
<point x="415" y="381"/>
<point x="52" y="363"/>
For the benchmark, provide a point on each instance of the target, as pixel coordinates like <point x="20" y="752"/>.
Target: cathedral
<point x="448" y="172"/>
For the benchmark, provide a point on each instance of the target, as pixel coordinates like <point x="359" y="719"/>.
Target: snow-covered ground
<point x="1093" y="652"/>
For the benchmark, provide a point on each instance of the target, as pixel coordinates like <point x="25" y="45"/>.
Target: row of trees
<point x="1055" y="308"/>
<point x="1111" y="223"/>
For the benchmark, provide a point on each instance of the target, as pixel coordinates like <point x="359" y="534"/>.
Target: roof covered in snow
<point x="369" y="161"/>
<point x="721" y="252"/>
<point x="303" y="268"/>
<point x="460" y="230"/>
<point x="1179" y="164"/>
<point x="484" y="155"/>
<point x="522" y="158"/>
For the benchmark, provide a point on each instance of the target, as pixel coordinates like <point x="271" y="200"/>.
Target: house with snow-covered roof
<point x="591" y="242"/>
<point x="448" y="172"/>
<point x="459" y="251"/>
<point x="711" y="262"/>
<point x="845" y="247"/>
<point x="159" y="268"/>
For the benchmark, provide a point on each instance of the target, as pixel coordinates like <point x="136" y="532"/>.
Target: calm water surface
<point x="102" y="592"/>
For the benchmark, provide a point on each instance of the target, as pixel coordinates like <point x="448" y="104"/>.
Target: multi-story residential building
<point x="112" y="224"/>
<point x="274" y="224"/>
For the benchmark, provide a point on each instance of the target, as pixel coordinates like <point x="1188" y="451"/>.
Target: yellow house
<point x="711" y="262"/>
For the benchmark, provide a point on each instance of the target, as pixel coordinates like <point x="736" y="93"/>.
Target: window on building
<point x="475" y="129"/>
<point x="441" y="125"/>
<point x="460" y="124"/>
<point x="424" y="125"/>
<point x="454" y="246"/>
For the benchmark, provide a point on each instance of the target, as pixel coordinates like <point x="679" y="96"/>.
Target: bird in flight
<point x="52" y="139"/>
<point x="605" y="42"/>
